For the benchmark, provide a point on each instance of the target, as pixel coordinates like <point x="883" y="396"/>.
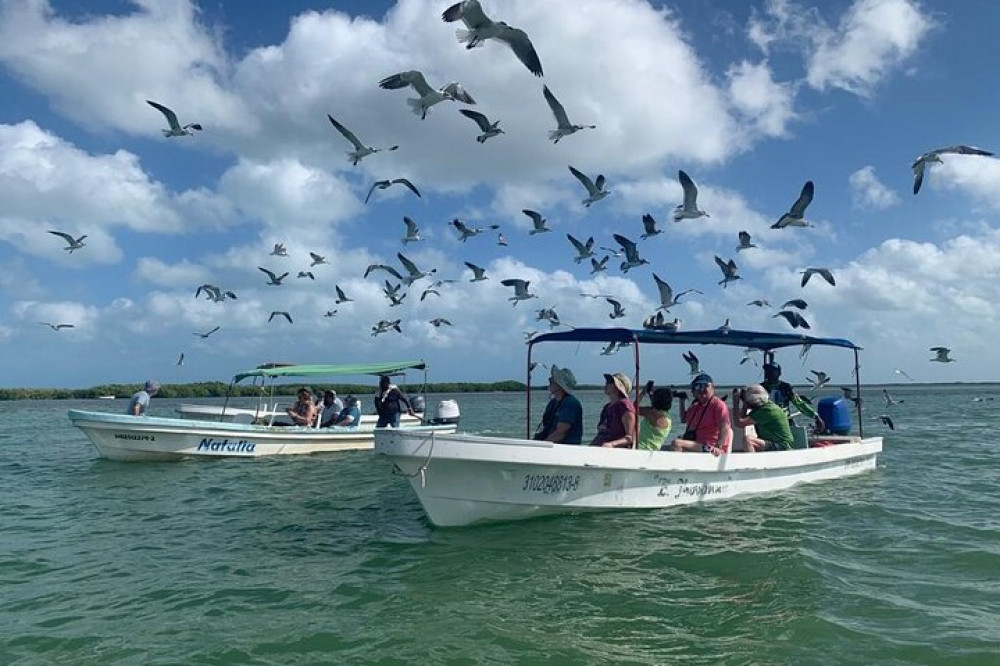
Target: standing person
<point x="783" y="395"/>
<point x="331" y="406"/>
<point x="387" y="404"/>
<point x="655" y="424"/>
<point x="707" y="420"/>
<point x="562" y="421"/>
<point x="139" y="402"/>
<point x="616" y="426"/>
<point x="752" y="406"/>
<point x="303" y="412"/>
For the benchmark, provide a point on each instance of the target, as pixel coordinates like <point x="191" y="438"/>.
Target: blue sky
<point x="750" y="99"/>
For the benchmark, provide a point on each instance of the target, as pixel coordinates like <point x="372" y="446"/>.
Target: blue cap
<point x="703" y="379"/>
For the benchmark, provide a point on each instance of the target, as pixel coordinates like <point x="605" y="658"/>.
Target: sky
<point x="751" y="99"/>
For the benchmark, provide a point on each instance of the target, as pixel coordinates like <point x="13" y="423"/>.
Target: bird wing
<point x="806" y="274"/>
<point x="269" y="273"/>
<point x="340" y="293"/>
<point x="666" y="292"/>
<point x="407" y="264"/>
<point x="690" y="191"/>
<point x="408" y="184"/>
<point x="411" y="227"/>
<point x="599" y="183"/>
<point x="627" y="245"/>
<point x="458" y="93"/>
<point x="798" y="208"/>
<point x="371" y="189"/>
<point x="522" y="47"/>
<point x="458" y="224"/>
<point x="918" y="174"/>
<point x="348" y="134"/>
<point x="66" y="237"/>
<point x="557" y="109"/>
<point x="580" y="247"/>
<point x="212" y="331"/>
<point x="479" y="118"/>
<point x="587" y="183"/>
<point x="744" y="238"/>
<point x="413" y="78"/>
<point x="966" y="150"/>
<point x="648" y="223"/>
<point x="477" y="270"/>
<point x="520" y="286"/>
<point x="536" y="217"/>
<point x="169" y="114"/>
<point x="827" y="275"/>
<point x="722" y="264"/>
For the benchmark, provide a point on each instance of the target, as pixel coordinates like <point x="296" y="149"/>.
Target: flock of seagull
<point x="478" y="30"/>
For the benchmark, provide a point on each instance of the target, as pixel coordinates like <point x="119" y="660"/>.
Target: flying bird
<point x="412" y="231"/>
<point x="548" y="314"/>
<point x="180" y="359"/>
<point x="413" y="273"/>
<point x="899" y="371"/>
<point x="822" y="272"/>
<point x="478" y="272"/>
<point x="278" y="313"/>
<point x="934" y="156"/>
<point x="204" y="336"/>
<point x="795" y="217"/>
<point x="819" y="380"/>
<point x="693" y="363"/>
<point x="583" y="250"/>
<point x="667" y="297"/>
<point x="330" y="313"/>
<point x="631" y="250"/>
<point x="537" y="222"/>
<point x="279" y="250"/>
<point x="427" y="292"/>
<point x="889" y="400"/>
<point x="521" y="292"/>
<point x="745" y="243"/>
<point x="617" y="311"/>
<point x="385" y="184"/>
<point x="440" y="321"/>
<point x="795" y="303"/>
<point x="383" y="267"/>
<point x="213" y="293"/>
<point x="466" y="232"/>
<point x="480" y="28"/>
<point x="563" y="126"/>
<point x="688" y="209"/>
<point x="392" y="293"/>
<point x="360" y="151"/>
<point x="273" y="279"/>
<point x="489" y="129"/>
<point x="501" y="240"/>
<point x="175" y="128"/>
<point x="886" y="421"/>
<point x="428" y="97"/>
<point x="72" y="244"/>
<point x="730" y="273"/>
<point x="941" y="355"/>
<point x="57" y="327"/>
<point x="793" y="318"/>
<point x="761" y="303"/>
<point x="306" y="274"/>
<point x="317" y="259"/>
<point x="598" y="266"/>
<point x="385" y="325"/>
<point x="595" y="188"/>
<point x="341" y="296"/>
<point x="649" y="227"/>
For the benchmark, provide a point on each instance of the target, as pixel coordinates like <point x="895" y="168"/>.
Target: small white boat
<point x="463" y="479"/>
<point x="105" y="397"/>
<point x="144" y="438"/>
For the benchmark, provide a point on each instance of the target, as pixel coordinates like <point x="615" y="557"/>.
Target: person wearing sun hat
<point x="616" y="426"/>
<point x="139" y="402"/>
<point x="707" y="420"/>
<point x="562" y="421"/>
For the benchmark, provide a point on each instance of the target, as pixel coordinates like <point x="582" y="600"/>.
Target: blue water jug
<point x="835" y="414"/>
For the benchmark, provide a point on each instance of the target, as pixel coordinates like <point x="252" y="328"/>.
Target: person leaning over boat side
<point x="139" y="402"/>
<point x="331" y="406"/>
<point x="616" y="426"/>
<point x="655" y="424"/>
<point x="387" y="403"/>
<point x="752" y="406"/>
<point x="303" y="412"/>
<point x="710" y="432"/>
<point x="562" y="421"/>
<point x="349" y="416"/>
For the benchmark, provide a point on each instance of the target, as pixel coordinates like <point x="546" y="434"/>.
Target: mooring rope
<point x="420" y="470"/>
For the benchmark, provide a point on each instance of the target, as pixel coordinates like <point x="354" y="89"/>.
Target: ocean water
<point x="329" y="559"/>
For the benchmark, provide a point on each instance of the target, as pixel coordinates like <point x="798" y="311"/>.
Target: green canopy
<point x="330" y="370"/>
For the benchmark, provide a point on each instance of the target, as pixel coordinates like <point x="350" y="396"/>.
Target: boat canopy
<point x="733" y="338"/>
<point x="330" y="370"/>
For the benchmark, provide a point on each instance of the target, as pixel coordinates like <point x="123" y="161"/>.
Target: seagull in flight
<point x="440" y="321"/>
<point x="428" y="97"/>
<point x="688" y="209"/>
<point x="693" y="363"/>
<point x="278" y="313"/>
<point x="583" y="250"/>
<point x="889" y="400"/>
<point x="72" y="244"/>
<point x="795" y="217"/>
<point x="849" y="395"/>
<point x="427" y="292"/>
<point x="213" y="293"/>
<point x="413" y="273"/>
<point x="204" y="336"/>
<point x="384" y="326"/>
<point x="478" y="272"/>
<point x="595" y="188"/>
<point x="501" y="240"/>
<point x="934" y="156"/>
<point x="548" y="314"/>
<point x="279" y="250"/>
<point x="900" y="371"/>
<point x="822" y="272"/>
<point x="760" y="303"/>
<point x="886" y="421"/>
<point x="617" y="311"/>
<point x="306" y="274"/>
<point x="489" y="129"/>
<point x="730" y="273"/>
<point x="480" y="28"/>
<point x="412" y="231"/>
<point x="521" y="292"/>
<point x="273" y="279"/>
<point x="317" y="259"/>
<point x="537" y="221"/>
<point x="819" y="380"/>
<point x="360" y="151"/>
<point x="599" y="266"/>
<point x="941" y="355"/>
<point x="175" y="128"/>
<point x="563" y="126"/>
<point x="795" y="303"/>
<point x="649" y="227"/>
<point x="330" y="313"/>
<point x="632" y="258"/>
<point x="385" y="184"/>
<point x="667" y="297"/>
<point x="745" y="243"/>
<point x="392" y="293"/>
<point x="180" y="359"/>
<point x="467" y="231"/>
<point x="383" y="267"/>
<point x="793" y="318"/>
<point x="57" y="327"/>
<point x="341" y="296"/>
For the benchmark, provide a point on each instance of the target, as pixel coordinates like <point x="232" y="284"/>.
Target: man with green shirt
<point x="753" y="406"/>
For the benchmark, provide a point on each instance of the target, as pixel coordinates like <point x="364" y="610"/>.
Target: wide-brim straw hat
<point x="621" y="382"/>
<point x="563" y="378"/>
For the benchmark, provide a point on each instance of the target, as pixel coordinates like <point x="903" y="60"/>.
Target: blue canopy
<point x="732" y="338"/>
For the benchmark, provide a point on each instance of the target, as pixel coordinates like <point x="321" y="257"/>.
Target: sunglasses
<point x="699" y="387"/>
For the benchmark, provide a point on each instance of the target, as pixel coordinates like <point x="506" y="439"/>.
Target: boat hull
<point x="464" y="480"/>
<point x="131" y="438"/>
<point x="231" y="414"/>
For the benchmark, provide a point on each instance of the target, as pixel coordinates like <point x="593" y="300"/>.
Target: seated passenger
<point x="753" y="406"/>
<point x="331" y="406"/>
<point x="616" y="426"/>
<point x="303" y="412"/>
<point x="562" y="421"/>
<point x="707" y="420"/>
<point x="350" y="415"/>
<point x="655" y="424"/>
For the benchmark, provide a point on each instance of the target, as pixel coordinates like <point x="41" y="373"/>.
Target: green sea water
<point x="329" y="559"/>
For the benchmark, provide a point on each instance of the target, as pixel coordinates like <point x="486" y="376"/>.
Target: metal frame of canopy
<point x="766" y="342"/>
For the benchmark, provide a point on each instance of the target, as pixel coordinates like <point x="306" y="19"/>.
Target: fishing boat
<point x="463" y="479"/>
<point x="143" y="438"/>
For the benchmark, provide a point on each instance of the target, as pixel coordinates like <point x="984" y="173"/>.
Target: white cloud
<point x="978" y="176"/>
<point x="766" y="103"/>
<point x="867" y="191"/>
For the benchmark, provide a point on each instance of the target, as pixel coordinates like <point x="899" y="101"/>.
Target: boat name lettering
<point x="236" y="446"/>
<point x="703" y="489"/>
<point x="550" y="483"/>
<point x="137" y="438"/>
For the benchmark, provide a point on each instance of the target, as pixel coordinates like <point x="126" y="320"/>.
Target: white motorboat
<point x="264" y="413"/>
<point x="132" y="438"/>
<point x="463" y="479"/>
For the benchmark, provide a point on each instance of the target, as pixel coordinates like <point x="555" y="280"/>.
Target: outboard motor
<point x="836" y="415"/>
<point x="417" y="402"/>
<point x="447" y="413"/>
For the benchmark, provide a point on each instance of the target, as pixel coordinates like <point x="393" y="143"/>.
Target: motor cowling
<point x="447" y="412"/>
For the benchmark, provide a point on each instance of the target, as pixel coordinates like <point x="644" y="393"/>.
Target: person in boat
<point x="139" y="402"/>
<point x="752" y="406"/>
<point x="562" y="421"/>
<point x="388" y="404"/>
<point x="655" y="423"/>
<point x="349" y="416"/>
<point x="303" y="412"/>
<point x="783" y="395"/>
<point x="707" y="420"/>
<point x="331" y="408"/>
<point x="616" y="426"/>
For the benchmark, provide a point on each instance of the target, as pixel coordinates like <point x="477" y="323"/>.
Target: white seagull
<point x="693" y="363"/>
<point x="595" y="189"/>
<point x="793" y="318"/>
<point x="521" y="292"/>
<point x="175" y="128"/>
<point x="478" y="272"/>
<point x="412" y="231"/>
<point x="563" y="126"/>
<point x="481" y="28"/>
<point x="413" y="273"/>
<point x="385" y="325"/>
<point x="279" y="250"/>
<point x="437" y="322"/>
<point x="360" y="151"/>
<point x="941" y="355"/>
<point x="213" y="293"/>
<point x="57" y="327"/>
<point x="306" y="274"/>
<point x="72" y="244"/>
<point x="821" y="379"/>
<point x="341" y="296"/>
<point x="617" y="311"/>
<point x="795" y="217"/>
<point x="386" y="184"/>
<point x="317" y="259"/>
<point x="649" y="227"/>
<point x="489" y="129"/>
<point x="934" y="156"/>
<point x="467" y="231"/>
<point x="274" y="280"/>
<point x="667" y="297"/>
<point x="428" y="97"/>
<point x="745" y="243"/>
<point x="537" y="221"/>
<point x="730" y="273"/>
<point x="760" y="303"/>
<point x="822" y="272"/>
<point x="583" y="250"/>
<point x="383" y="267"/>
<point x="392" y="293"/>
<point x="599" y="266"/>
<point x="688" y="209"/>
<point x="632" y="258"/>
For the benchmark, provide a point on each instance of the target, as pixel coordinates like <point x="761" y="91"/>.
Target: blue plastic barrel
<point x="836" y="414"/>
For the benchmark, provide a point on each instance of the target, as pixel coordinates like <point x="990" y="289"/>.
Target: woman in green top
<point x="655" y="424"/>
<point x="768" y="419"/>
